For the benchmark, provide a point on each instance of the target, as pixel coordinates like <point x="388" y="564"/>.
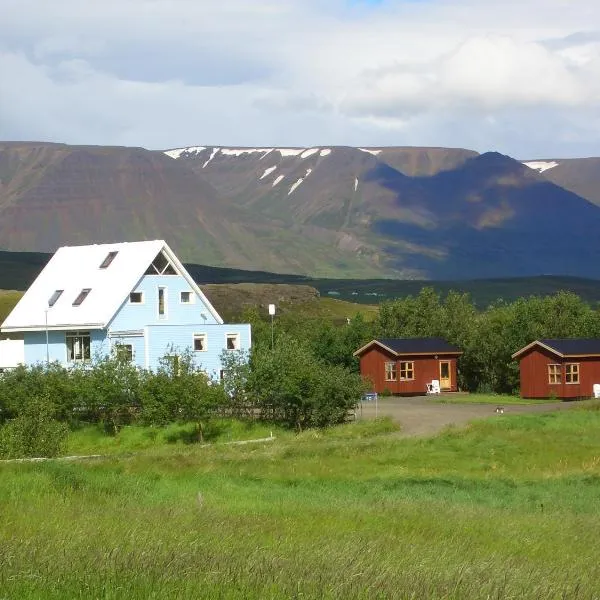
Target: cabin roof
<point x="85" y="286"/>
<point x="399" y="346"/>
<point x="565" y="347"/>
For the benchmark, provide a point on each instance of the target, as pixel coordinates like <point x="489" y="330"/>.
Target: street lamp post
<point x="47" y="345"/>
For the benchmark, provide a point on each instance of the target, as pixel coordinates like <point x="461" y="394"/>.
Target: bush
<point x="34" y="432"/>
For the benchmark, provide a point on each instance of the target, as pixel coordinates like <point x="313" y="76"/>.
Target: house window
<point x="391" y="372"/>
<point x="124" y="352"/>
<point x="407" y="370"/>
<point x="200" y="344"/>
<point x="233" y="341"/>
<point x="185" y="297"/>
<point x="161" y="266"/>
<point x="55" y="296"/>
<point x="572" y="373"/>
<point x="162" y="303"/>
<point x="78" y="346"/>
<point x="109" y="258"/>
<point x="83" y="294"/>
<point x="554" y="374"/>
<point x="136" y="298"/>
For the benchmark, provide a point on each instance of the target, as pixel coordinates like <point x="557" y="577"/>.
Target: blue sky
<point x="521" y="77"/>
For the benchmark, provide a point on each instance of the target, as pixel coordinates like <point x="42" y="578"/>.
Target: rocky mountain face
<point x="329" y="211"/>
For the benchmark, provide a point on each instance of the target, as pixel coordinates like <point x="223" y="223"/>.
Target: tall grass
<point x="503" y="509"/>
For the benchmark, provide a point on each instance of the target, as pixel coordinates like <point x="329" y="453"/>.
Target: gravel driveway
<point x="422" y="415"/>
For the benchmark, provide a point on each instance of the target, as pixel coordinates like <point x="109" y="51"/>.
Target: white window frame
<point x="391" y="371"/>
<point x="203" y="336"/>
<point x="192" y="297"/>
<point x="237" y="343"/>
<point x="142" y="298"/>
<point x="165" y="314"/>
<point x="74" y="335"/>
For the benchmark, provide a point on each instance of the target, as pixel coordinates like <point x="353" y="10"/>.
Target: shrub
<point x="34" y="432"/>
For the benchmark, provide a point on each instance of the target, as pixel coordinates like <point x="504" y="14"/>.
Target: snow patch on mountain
<point x="355" y="183"/>
<point x="268" y="171"/>
<point x="325" y="152"/>
<point x="541" y="165"/>
<point x="299" y="181"/>
<point x="278" y="179"/>
<point x="177" y="152"/>
<point x="309" y="152"/>
<point x="212" y="155"/>
<point x="370" y="151"/>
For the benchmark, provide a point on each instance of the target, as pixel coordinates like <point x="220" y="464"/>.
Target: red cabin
<point x="565" y="368"/>
<point x="406" y="366"/>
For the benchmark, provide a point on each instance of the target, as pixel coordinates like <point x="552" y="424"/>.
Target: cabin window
<point x="79" y="346"/>
<point x="83" y="294"/>
<point x="554" y="374"/>
<point x="391" y="372"/>
<point x="200" y="344"/>
<point x="407" y="371"/>
<point x="124" y="352"/>
<point x="162" y="303"/>
<point x="572" y="373"/>
<point x="186" y="297"/>
<point x="136" y="298"/>
<point x="161" y="266"/>
<point x="109" y="258"/>
<point x="233" y="341"/>
<point x="54" y="298"/>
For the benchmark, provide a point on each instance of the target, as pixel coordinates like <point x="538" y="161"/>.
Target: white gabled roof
<point x="74" y="268"/>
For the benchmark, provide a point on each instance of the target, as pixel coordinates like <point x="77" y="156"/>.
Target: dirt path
<point x="423" y="416"/>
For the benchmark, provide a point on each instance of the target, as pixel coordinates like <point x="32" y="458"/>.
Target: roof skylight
<point x="55" y="296"/>
<point x="82" y="296"/>
<point x="109" y="258"/>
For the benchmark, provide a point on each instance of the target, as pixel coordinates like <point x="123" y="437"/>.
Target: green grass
<point x="500" y="400"/>
<point x="506" y="508"/>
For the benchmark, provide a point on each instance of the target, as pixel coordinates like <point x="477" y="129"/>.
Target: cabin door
<point x="445" y="377"/>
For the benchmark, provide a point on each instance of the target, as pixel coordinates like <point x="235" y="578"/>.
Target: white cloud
<point x="519" y="76"/>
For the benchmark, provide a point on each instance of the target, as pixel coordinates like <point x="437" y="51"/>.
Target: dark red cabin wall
<point x="427" y="368"/>
<point x="534" y="375"/>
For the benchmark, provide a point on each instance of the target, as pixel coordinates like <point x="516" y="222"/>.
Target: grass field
<point x="500" y="400"/>
<point x="506" y="508"/>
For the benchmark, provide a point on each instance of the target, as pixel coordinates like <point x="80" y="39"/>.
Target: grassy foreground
<point x="507" y="508"/>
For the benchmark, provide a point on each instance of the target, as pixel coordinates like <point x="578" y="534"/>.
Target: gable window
<point x="407" y="371"/>
<point x="161" y="266"/>
<point x="391" y="371"/>
<point x="124" y="352"/>
<point x="572" y="373"/>
<point x="554" y="374"/>
<point x="136" y="298"/>
<point x="200" y="344"/>
<point x="162" y="303"/>
<point x="83" y="294"/>
<point x="186" y="297"/>
<point x="79" y="346"/>
<point x="233" y="341"/>
<point x="109" y="258"/>
<point x="54" y="298"/>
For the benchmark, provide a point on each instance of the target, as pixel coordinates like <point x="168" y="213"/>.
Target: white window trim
<point x="200" y="335"/>
<point x="77" y="333"/>
<point x="192" y="297"/>
<point x="143" y="301"/>
<point x="238" y="341"/>
<point x="165" y="316"/>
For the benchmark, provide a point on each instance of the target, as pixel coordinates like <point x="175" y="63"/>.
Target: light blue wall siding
<point x="35" y="346"/>
<point x="137" y="316"/>
<point x="162" y="338"/>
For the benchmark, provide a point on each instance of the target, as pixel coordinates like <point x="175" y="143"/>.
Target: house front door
<point x="445" y="377"/>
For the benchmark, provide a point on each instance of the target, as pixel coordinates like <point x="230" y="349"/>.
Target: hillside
<point x="578" y="175"/>
<point x="338" y="212"/>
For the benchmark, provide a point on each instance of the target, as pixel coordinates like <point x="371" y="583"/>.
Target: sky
<point x="521" y="77"/>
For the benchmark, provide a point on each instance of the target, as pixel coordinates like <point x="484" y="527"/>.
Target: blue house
<point x="134" y="298"/>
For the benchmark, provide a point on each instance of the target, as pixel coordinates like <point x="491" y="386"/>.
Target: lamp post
<point x="47" y="345"/>
<point x="272" y="313"/>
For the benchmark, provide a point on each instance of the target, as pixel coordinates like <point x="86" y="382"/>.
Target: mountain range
<point x="410" y="213"/>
